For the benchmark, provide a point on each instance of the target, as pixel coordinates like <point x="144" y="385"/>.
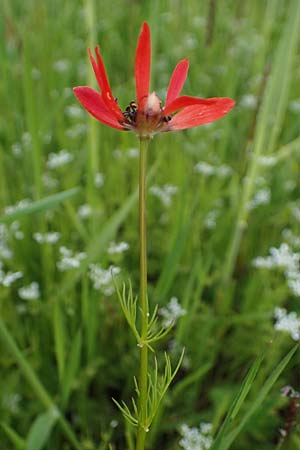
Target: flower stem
<point x="143" y="380"/>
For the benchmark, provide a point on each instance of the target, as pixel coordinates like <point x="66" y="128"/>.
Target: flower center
<point x="130" y="112"/>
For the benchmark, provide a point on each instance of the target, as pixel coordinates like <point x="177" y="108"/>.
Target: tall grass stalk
<point x="93" y="150"/>
<point x="36" y="385"/>
<point x="272" y="112"/>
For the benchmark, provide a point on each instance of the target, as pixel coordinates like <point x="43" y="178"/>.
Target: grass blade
<point x="237" y="403"/>
<point x="259" y="398"/>
<point x="40" y="205"/>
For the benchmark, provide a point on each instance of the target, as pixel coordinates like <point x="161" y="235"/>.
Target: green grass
<point x="67" y="353"/>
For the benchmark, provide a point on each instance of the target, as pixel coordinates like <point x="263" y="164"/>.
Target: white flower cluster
<point x="76" y="131"/>
<point x="288" y="322"/>
<point x="61" y="65"/>
<point x="47" y="238"/>
<point x="59" y="159"/>
<point x="49" y="181"/>
<point x="99" y="180"/>
<point x="6" y="232"/>
<point x="84" y="211"/>
<point x="196" y="438"/>
<point x="172" y="312"/>
<point x="8" y="278"/>
<point x="20" y="205"/>
<point x="207" y="169"/>
<point x="5" y="251"/>
<point x="103" y="279"/>
<point x="164" y="193"/>
<point x="248" y="101"/>
<point x="69" y="260"/>
<point x="296" y="212"/>
<point x="291" y="237"/>
<point x="294" y="106"/>
<point x="30" y="292"/>
<point x="267" y="161"/>
<point x="115" y="249"/>
<point x="283" y="258"/>
<point x="210" y="220"/>
<point x="261" y="197"/>
<point x="133" y="153"/>
<point x="74" y="112"/>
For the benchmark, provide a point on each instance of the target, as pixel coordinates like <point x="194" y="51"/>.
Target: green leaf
<point x="71" y="367"/>
<point x="259" y="398"/>
<point x="40" y="205"/>
<point x="16" y="440"/>
<point x="40" y="430"/>
<point x="237" y="403"/>
<point x="59" y="338"/>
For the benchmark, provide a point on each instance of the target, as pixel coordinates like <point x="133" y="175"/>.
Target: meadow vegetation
<point x="223" y="227"/>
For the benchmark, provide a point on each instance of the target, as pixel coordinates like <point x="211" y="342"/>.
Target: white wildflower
<point x="99" y="180"/>
<point x="288" y="322"/>
<point x="5" y="251"/>
<point x="296" y="212"/>
<point x="20" y="205"/>
<point x="283" y="258"/>
<point x="16" y="149"/>
<point x="248" y="101"/>
<point x="204" y="168"/>
<point x="263" y="262"/>
<point x="26" y="139"/>
<point x="289" y="185"/>
<point x="49" y="181"/>
<point x="8" y="278"/>
<point x="267" y="161"/>
<point x="69" y="260"/>
<point x="103" y="279"/>
<point x="15" y="229"/>
<point x="114" y="423"/>
<point x="172" y="312"/>
<point x="133" y="153"/>
<point x="289" y="236"/>
<point x="210" y="220"/>
<point x="61" y="65"/>
<point x="84" y="211"/>
<point x="223" y="171"/>
<point x="261" y="197"/>
<point x="47" y="238"/>
<point x="196" y="439"/>
<point x="115" y="248"/>
<point x="294" y="106"/>
<point x="74" y="112"/>
<point x="59" y="159"/>
<point x="76" y="131"/>
<point x="30" y="292"/>
<point x="164" y="193"/>
<point x="294" y="284"/>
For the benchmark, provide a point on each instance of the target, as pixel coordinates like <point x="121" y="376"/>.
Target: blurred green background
<point x="219" y="196"/>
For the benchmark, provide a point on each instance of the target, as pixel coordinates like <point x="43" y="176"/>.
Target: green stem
<point x="143" y="380"/>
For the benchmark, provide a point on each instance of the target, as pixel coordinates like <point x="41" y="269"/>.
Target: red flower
<point x="148" y="116"/>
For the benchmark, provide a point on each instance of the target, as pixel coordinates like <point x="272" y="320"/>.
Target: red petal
<point x="142" y="63"/>
<point x="193" y="116"/>
<point x="177" y="80"/>
<point x="103" y="82"/>
<point x="94" y="104"/>
<point x="186" y="100"/>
